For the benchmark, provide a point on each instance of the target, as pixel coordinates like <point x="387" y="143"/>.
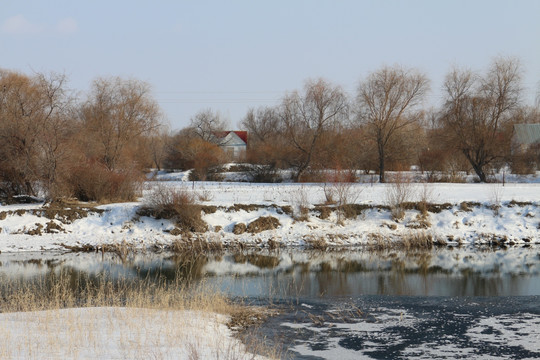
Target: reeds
<point x="135" y="311"/>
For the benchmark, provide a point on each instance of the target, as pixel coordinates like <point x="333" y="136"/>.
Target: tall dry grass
<point x="136" y="312"/>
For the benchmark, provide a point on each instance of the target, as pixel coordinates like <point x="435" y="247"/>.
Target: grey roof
<point x="526" y="134"/>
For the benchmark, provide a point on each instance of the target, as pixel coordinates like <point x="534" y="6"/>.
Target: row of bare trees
<point x="55" y="145"/>
<point x="387" y="123"/>
<point x="95" y="147"/>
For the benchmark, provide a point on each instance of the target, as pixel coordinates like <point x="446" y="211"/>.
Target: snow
<point x="118" y="333"/>
<point x="118" y="223"/>
<point x="498" y="332"/>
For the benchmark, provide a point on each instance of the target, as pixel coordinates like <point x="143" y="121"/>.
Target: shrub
<point x="94" y="182"/>
<point x="263" y="223"/>
<point x="524" y="163"/>
<point x="301" y="204"/>
<point x="178" y="205"/>
<point x="398" y="193"/>
<point x="264" y="174"/>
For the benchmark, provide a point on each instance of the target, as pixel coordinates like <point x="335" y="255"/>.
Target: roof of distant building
<point x="527" y="134"/>
<point x="241" y="134"/>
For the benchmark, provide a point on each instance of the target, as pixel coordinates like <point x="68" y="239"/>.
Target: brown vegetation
<point x="178" y="205"/>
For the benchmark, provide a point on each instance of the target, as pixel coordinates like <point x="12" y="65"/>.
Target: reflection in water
<point x="294" y="273"/>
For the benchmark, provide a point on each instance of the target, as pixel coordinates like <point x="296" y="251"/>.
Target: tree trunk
<point x="478" y="169"/>
<point x="381" y="165"/>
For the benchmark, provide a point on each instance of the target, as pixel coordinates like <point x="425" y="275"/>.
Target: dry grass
<point x="398" y="193"/>
<point x="300" y="204"/>
<point x="143" y="313"/>
<point x="315" y="243"/>
<point x="178" y="205"/>
<point x="412" y="241"/>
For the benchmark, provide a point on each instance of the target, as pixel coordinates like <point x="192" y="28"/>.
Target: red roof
<point x="241" y="134"/>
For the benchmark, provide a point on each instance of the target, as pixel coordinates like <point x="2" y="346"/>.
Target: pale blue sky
<point x="233" y="55"/>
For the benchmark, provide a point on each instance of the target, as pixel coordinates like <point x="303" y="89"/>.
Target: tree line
<point x="98" y="147"/>
<point x="386" y="125"/>
<point x="56" y="145"/>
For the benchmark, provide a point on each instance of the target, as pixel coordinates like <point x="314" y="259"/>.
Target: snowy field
<point x="514" y="219"/>
<point x="118" y="333"/>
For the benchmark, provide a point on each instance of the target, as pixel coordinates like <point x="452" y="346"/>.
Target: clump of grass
<point x="468" y="205"/>
<point x="301" y="204"/>
<point x="415" y="240"/>
<point x="178" y="205"/>
<point x="398" y="193"/>
<point x="263" y="223"/>
<point x="195" y="246"/>
<point x="316" y="243"/>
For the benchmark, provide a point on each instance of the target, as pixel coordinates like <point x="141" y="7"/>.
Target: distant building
<point x="233" y="143"/>
<point x="526" y="136"/>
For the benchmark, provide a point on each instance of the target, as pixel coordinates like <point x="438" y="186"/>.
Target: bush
<point x="178" y="205"/>
<point x="524" y="163"/>
<point x="398" y="193"/>
<point x="264" y="174"/>
<point x="94" y="182"/>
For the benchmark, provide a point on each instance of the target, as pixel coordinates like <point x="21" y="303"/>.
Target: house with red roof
<point x="233" y="143"/>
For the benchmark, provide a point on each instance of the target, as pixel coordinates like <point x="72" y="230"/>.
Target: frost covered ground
<point x="117" y="333"/>
<point x="468" y="213"/>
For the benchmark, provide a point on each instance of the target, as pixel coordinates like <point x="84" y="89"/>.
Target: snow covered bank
<point x="118" y="333"/>
<point x="466" y="213"/>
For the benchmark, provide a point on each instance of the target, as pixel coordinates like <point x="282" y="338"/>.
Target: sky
<point x="233" y="55"/>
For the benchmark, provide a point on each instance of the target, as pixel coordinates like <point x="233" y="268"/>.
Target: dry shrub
<point x="316" y="242"/>
<point x="468" y="206"/>
<point x="301" y="204"/>
<point x="263" y="223"/>
<point x="398" y="193"/>
<point x="525" y="162"/>
<point x="324" y="211"/>
<point x="196" y="246"/>
<point x="178" y="205"/>
<point x="341" y="191"/>
<point x="264" y="174"/>
<point x="417" y="241"/>
<point x="94" y="182"/>
<point x="239" y="228"/>
<point x="496" y="197"/>
<point x="426" y="197"/>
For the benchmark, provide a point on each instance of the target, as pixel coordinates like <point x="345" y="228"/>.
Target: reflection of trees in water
<point x="295" y="273"/>
<point x="474" y="283"/>
<point x="332" y="282"/>
<point x="259" y="260"/>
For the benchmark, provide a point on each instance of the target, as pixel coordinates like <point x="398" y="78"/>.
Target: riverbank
<point x="289" y="215"/>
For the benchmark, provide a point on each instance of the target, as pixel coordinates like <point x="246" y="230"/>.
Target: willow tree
<point x="306" y="117"/>
<point x="34" y="130"/>
<point x="117" y="112"/>
<point x="388" y="101"/>
<point x="478" y="111"/>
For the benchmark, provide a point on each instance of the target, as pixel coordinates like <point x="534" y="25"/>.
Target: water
<point x="466" y="302"/>
<point x="294" y="273"/>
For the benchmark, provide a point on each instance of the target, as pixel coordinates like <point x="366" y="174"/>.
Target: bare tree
<point x="116" y="113"/>
<point x="261" y="124"/>
<point x="478" y="110"/>
<point x="306" y="117"/>
<point x="157" y="144"/>
<point x="267" y="145"/>
<point x="388" y="101"/>
<point x="206" y="124"/>
<point x="57" y="131"/>
<point x="33" y="129"/>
